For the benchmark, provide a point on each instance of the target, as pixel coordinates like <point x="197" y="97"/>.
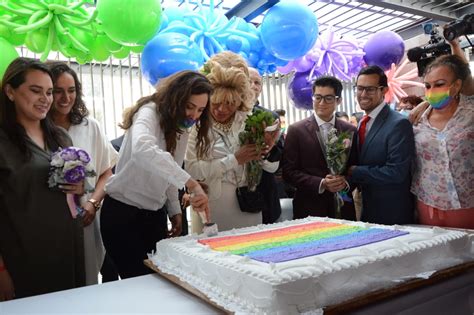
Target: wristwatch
<point x="95" y="203"/>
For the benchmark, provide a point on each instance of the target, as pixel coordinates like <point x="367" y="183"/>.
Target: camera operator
<point x="467" y="89"/>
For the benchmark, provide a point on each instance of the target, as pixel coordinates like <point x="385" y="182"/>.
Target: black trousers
<point x="129" y="234"/>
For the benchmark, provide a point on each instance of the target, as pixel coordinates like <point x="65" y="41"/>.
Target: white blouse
<point x="146" y="175"/>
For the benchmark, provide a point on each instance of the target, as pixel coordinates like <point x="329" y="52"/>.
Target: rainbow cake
<point x="302" y="265"/>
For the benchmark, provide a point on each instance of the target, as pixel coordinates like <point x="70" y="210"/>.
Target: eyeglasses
<point x="368" y="89"/>
<point x="327" y="98"/>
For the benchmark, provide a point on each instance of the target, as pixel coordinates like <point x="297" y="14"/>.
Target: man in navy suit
<point x="386" y="148"/>
<point x="304" y="163"/>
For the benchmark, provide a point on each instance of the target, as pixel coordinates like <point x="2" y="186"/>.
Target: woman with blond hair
<point x="223" y="168"/>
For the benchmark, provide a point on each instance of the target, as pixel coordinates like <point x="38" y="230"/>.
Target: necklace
<point x="224" y="127"/>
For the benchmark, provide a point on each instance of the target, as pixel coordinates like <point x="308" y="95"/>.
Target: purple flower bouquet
<point x="70" y="165"/>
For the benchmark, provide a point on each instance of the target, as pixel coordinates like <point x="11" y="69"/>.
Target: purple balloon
<point x="299" y="91"/>
<point x="303" y="64"/>
<point x="384" y="48"/>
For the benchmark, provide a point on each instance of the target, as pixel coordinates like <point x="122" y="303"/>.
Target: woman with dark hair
<point x="70" y="112"/>
<point x="444" y="172"/>
<point x="148" y="174"/>
<point x="41" y="244"/>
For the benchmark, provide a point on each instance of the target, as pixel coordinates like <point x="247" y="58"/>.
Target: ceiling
<point x="358" y="19"/>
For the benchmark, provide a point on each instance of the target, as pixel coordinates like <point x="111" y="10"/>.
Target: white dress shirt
<point x="373" y="114"/>
<point x="324" y="131"/>
<point x="146" y="175"/>
<point x="321" y="126"/>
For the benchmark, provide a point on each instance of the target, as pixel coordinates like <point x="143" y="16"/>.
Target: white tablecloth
<point x="153" y="294"/>
<point x="149" y="294"/>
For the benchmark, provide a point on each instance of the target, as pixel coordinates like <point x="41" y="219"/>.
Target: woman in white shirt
<point x="70" y="112"/>
<point x="148" y="173"/>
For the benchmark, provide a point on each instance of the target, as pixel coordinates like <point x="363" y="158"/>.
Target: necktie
<point x="362" y="130"/>
<point x="325" y="129"/>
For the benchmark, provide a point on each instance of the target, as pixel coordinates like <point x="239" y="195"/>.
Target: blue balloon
<point x="300" y="91"/>
<point x="289" y="30"/>
<point x="384" y="48"/>
<point x="175" y="13"/>
<point x="168" y="53"/>
<point x="237" y="44"/>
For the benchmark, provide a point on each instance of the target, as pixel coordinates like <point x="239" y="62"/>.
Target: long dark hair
<point x="15" y="75"/>
<point x="171" y="97"/>
<point x="79" y="110"/>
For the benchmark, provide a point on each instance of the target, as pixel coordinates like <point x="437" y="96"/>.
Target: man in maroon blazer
<point x="303" y="162"/>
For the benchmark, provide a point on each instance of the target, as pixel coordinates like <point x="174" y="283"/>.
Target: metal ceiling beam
<point x="465" y="10"/>
<point x="249" y="9"/>
<point x="429" y="10"/>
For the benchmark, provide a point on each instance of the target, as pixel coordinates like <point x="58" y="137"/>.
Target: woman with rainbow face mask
<point x="444" y="138"/>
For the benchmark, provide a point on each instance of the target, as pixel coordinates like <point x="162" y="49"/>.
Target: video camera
<point x="436" y="46"/>
<point x="463" y="26"/>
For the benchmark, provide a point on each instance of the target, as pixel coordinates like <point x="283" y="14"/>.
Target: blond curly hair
<point x="231" y="86"/>
<point x="228" y="59"/>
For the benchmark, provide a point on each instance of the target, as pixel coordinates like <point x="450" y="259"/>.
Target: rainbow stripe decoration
<point x="299" y="241"/>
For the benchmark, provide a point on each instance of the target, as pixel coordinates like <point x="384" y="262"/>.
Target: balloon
<point x="168" y="53"/>
<point x="122" y="53"/>
<point x="287" y="68"/>
<point x="36" y="40"/>
<point x="99" y="51"/>
<point x="335" y="55"/>
<point x="175" y="13"/>
<point x="253" y="58"/>
<point x="12" y="37"/>
<point x="136" y="49"/>
<point x="300" y="91"/>
<point x="396" y="81"/>
<point x="56" y="19"/>
<point x="303" y="64"/>
<point x="8" y="54"/>
<point x="237" y="44"/>
<point x="384" y="48"/>
<point x="108" y="43"/>
<point x="130" y="22"/>
<point x="289" y="29"/>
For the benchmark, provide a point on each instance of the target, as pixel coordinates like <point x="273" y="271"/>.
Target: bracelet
<point x="95" y="203"/>
<point x="2" y="268"/>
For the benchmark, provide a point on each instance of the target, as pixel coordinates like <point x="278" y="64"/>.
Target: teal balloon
<point x="289" y="30"/>
<point x="130" y="22"/>
<point x="8" y="54"/>
<point x="169" y="53"/>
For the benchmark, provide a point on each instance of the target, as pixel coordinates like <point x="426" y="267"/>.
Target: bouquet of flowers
<point x="254" y="133"/>
<point x="338" y="146"/>
<point x="70" y="165"/>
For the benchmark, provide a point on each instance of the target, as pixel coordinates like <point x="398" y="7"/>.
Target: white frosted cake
<point x="303" y="265"/>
